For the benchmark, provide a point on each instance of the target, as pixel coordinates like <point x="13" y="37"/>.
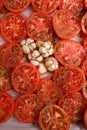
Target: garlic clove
<point x="34" y="62"/>
<point x="25" y="49"/>
<point x="23" y="42"/>
<point x="29" y="40"/>
<point x="42" y="68"/>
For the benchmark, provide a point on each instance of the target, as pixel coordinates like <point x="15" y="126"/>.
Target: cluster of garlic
<point x="40" y="54"/>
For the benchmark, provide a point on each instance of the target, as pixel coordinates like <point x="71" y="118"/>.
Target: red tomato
<point x="73" y="5"/>
<point x="16" y="5"/>
<point x="84" y="24"/>
<point x="53" y="117"/>
<point x="69" y="53"/>
<point x="1" y="4"/>
<point x="13" y="27"/>
<point x="84" y="90"/>
<point x="10" y="55"/>
<point x="84" y="66"/>
<point x="69" y="80"/>
<point x="74" y="105"/>
<point x="25" y="78"/>
<point x="85" y="43"/>
<point x="5" y="75"/>
<point x="6" y="106"/>
<point x="85" y="4"/>
<point x="39" y="27"/>
<point x="45" y="6"/>
<point x="66" y="25"/>
<point x="4" y="10"/>
<point x="27" y="108"/>
<point x="85" y="118"/>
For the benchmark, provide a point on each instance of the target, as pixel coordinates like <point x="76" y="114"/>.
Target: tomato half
<point x="66" y="25"/>
<point x="13" y="27"/>
<point x="84" y="90"/>
<point x="5" y="75"/>
<point x="1" y="4"/>
<point x="84" y="24"/>
<point x="69" y="52"/>
<point x="73" y="5"/>
<point x="53" y="117"/>
<point x="16" y="5"/>
<point x="39" y="27"/>
<point x="25" y="78"/>
<point x="74" y="105"/>
<point x="6" y="106"/>
<point x="45" y="6"/>
<point x="27" y="108"/>
<point x="85" y="118"/>
<point x="10" y="55"/>
<point x="69" y="80"/>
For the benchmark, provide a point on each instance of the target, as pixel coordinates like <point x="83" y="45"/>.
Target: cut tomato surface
<point x="53" y="117"/>
<point x="45" y="6"/>
<point x="10" y="55"/>
<point x="5" y="76"/>
<point x="84" y="24"/>
<point x="16" y="5"/>
<point x="39" y="27"/>
<point x="25" y="78"/>
<point x="27" y="108"/>
<point x="66" y="25"/>
<point x="13" y="27"/>
<point x="72" y="5"/>
<point x="69" y="52"/>
<point x="74" y="105"/>
<point x="6" y="106"/>
<point x="69" y="80"/>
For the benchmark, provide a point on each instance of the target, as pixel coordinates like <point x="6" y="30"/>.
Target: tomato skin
<point x="52" y="116"/>
<point x="74" y="105"/>
<point x="85" y="3"/>
<point x="16" y="6"/>
<point x="1" y="5"/>
<point x="39" y="27"/>
<point x="66" y="19"/>
<point x="5" y="76"/>
<point x="74" y="6"/>
<point x="84" y="90"/>
<point x="13" y="27"/>
<point x="85" y="118"/>
<point x="6" y="106"/>
<point x="45" y="7"/>
<point x="27" y="108"/>
<point x="69" y="53"/>
<point x="25" y="78"/>
<point x="84" y="24"/>
<point x="69" y="80"/>
<point x="11" y="55"/>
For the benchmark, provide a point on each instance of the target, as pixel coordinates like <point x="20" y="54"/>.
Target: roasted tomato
<point x="6" y="106"/>
<point x="27" y="108"/>
<point x="84" y="24"/>
<point x="13" y="27"/>
<point x="66" y="25"/>
<point x="53" y="117"/>
<point x="25" y="78"/>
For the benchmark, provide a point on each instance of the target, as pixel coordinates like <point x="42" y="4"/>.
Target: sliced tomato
<point x="1" y="4"/>
<point x="69" y="53"/>
<point x="13" y="27"/>
<point x="69" y="80"/>
<point x="27" y="108"/>
<point x="5" y="76"/>
<point x="16" y="5"/>
<point x="84" y="66"/>
<point x="10" y="55"/>
<point x="85" y="43"/>
<point x="66" y="25"/>
<point x="45" y="7"/>
<point x="53" y="117"/>
<point x="85" y="118"/>
<point x="25" y="78"/>
<point x="84" y="24"/>
<point x="74" y="105"/>
<point x="84" y="90"/>
<point x="6" y="106"/>
<point x="73" y="5"/>
<point x="39" y="27"/>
